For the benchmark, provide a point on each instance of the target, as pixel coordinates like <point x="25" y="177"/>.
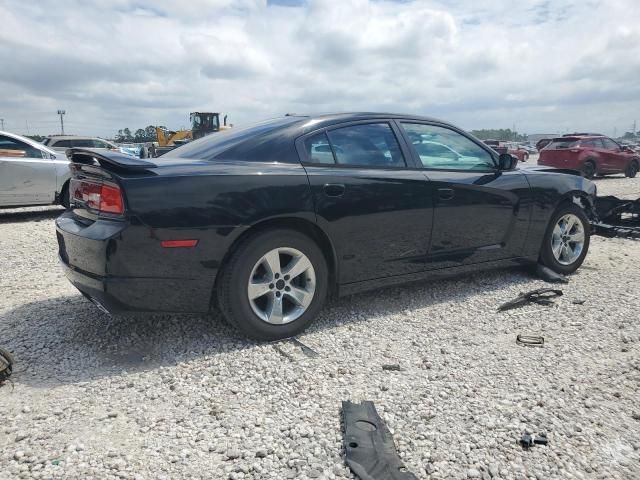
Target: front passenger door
<point x="481" y="214"/>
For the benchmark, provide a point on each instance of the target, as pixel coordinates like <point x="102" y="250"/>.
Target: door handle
<point x="334" y="189"/>
<point x="445" y="193"/>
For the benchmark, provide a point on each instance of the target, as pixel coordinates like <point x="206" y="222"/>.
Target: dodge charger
<point x="266" y="222"/>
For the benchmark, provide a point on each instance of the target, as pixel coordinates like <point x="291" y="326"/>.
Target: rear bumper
<point x="106" y="262"/>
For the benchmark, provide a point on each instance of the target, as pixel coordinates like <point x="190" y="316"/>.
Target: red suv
<point x="591" y="154"/>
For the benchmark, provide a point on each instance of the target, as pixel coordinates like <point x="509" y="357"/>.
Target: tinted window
<point x="21" y="149"/>
<point x="366" y="145"/>
<point x="62" y="144"/>
<point x="440" y="147"/>
<point x="561" y="144"/>
<point x="318" y="149"/>
<point x="211" y="145"/>
<point x="83" y="143"/>
<point x="100" y="144"/>
<point x="610" y="144"/>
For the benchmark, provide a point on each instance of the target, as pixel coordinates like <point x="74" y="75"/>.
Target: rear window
<point x="562" y="143"/>
<point x="210" y="146"/>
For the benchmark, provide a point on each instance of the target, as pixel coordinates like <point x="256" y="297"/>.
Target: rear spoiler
<point x="106" y="159"/>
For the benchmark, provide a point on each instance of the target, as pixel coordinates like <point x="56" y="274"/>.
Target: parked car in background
<point x="591" y="154"/>
<point x="31" y="173"/>
<point x="521" y="153"/>
<point x="270" y="219"/>
<point x="60" y="143"/>
<point x="136" y="149"/>
<point x="508" y="147"/>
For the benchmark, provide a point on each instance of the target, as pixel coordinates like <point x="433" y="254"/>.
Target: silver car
<point x="60" y="143"/>
<point x="31" y="173"/>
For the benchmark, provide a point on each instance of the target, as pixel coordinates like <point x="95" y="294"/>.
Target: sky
<point x="541" y="66"/>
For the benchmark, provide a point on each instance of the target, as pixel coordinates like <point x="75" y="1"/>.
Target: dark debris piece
<point x="528" y="440"/>
<point x="548" y="275"/>
<point x="540" y="296"/>
<point x="392" y="367"/>
<point x="369" y="447"/>
<point x="6" y="365"/>
<point x="530" y="340"/>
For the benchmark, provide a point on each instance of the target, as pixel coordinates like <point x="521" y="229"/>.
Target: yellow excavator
<point x="202" y="123"/>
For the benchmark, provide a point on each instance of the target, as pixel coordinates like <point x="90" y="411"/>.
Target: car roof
<point x="74" y="137"/>
<point x="29" y="141"/>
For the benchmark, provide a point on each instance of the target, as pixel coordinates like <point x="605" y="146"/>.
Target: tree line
<point x="141" y="135"/>
<point x="503" y="134"/>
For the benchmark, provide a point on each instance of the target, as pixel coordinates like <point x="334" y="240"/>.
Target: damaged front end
<point x="615" y="217"/>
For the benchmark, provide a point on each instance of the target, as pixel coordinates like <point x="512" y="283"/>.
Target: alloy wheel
<point x="281" y="286"/>
<point x="567" y="239"/>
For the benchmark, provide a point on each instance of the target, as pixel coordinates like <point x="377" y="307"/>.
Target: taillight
<point x="98" y="196"/>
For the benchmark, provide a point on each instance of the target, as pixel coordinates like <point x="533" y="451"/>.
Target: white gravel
<point x="186" y="397"/>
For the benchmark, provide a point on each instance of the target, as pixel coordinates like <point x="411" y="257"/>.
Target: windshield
<point x="215" y="143"/>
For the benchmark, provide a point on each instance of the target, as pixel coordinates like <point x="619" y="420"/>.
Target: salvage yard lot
<point x="188" y="397"/>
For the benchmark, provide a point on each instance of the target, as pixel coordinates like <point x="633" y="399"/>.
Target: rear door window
<point x="366" y="145"/>
<point x="62" y="144"/>
<point x="12" y="147"/>
<point x="318" y="149"/>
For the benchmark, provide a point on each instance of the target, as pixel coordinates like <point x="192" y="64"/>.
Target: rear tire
<point x="632" y="169"/>
<point x="253" y="264"/>
<point x="552" y="254"/>
<point x="589" y="169"/>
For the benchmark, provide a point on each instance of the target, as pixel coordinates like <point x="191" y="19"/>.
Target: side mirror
<point x="507" y="161"/>
<point x="624" y="148"/>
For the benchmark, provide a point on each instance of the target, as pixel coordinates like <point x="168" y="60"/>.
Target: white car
<point x="31" y="173"/>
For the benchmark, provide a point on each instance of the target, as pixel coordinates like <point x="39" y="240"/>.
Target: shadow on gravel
<point x="68" y="340"/>
<point x="25" y="215"/>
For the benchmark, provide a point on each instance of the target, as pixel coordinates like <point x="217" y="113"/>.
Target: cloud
<point x="545" y="66"/>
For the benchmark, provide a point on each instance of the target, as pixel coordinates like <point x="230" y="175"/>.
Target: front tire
<point x="566" y="240"/>
<point x="632" y="169"/>
<point x="274" y="284"/>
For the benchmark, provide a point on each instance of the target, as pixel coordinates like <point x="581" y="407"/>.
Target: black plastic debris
<point x="530" y="340"/>
<point x="6" y="365"/>
<point x="548" y="275"/>
<point x="370" y="450"/>
<point x="540" y="296"/>
<point x="528" y="440"/>
<point x="578" y="301"/>
<point x="392" y="367"/>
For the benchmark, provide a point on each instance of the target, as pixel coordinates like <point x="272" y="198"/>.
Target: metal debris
<point x="616" y="217"/>
<point x="540" y="296"/>
<point x="370" y="450"/>
<point x="530" y="340"/>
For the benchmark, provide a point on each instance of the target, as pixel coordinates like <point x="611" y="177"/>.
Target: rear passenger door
<point x="377" y="211"/>
<point x="481" y="213"/>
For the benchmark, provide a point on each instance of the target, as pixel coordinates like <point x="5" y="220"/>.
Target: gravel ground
<point x="187" y="397"/>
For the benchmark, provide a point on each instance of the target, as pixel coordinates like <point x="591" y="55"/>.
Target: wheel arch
<point x="309" y="228"/>
<point x="577" y="197"/>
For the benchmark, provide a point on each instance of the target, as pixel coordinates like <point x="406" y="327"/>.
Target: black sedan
<point x="266" y="222"/>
